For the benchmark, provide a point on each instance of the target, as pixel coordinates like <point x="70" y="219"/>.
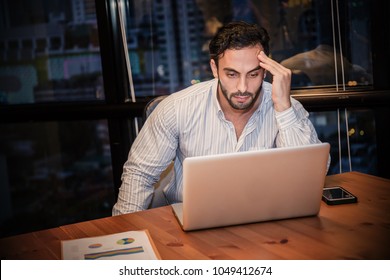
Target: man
<point x="237" y="111"/>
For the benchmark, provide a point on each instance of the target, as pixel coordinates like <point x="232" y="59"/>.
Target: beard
<point x="240" y="105"/>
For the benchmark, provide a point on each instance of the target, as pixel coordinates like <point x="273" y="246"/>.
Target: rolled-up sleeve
<point x="294" y="126"/>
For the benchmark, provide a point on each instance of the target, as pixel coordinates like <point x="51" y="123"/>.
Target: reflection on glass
<point x="318" y="67"/>
<point x="54" y="173"/>
<point x="168" y="40"/>
<point x="49" y="51"/>
<point x="318" y="57"/>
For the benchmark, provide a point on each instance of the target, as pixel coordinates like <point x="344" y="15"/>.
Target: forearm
<point x="135" y="193"/>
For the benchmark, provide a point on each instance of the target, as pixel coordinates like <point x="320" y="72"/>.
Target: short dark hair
<point x="238" y="35"/>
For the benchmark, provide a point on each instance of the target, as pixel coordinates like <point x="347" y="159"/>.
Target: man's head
<point x="234" y="61"/>
<point x="235" y="36"/>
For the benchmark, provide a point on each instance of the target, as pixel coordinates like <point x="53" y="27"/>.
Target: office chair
<point x="152" y="104"/>
<point x="159" y="199"/>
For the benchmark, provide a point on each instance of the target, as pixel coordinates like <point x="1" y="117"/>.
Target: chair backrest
<point x="152" y="104"/>
<point x="158" y="196"/>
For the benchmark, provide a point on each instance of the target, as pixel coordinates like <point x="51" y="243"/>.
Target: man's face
<point x="240" y="77"/>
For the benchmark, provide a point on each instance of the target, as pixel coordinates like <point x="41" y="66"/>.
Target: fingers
<point x="281" y="81"/>
<point x="273" y="67"/>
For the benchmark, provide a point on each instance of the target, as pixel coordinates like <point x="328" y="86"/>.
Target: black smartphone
<point x="337" y="195"/>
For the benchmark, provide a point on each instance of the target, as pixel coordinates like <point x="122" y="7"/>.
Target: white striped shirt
<point x="191" y="123"/>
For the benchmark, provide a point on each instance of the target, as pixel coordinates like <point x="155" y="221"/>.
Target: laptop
<point x="253" y="186"/>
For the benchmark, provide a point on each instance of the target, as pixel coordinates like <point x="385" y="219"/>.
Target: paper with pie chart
<point x="130" y="245"/>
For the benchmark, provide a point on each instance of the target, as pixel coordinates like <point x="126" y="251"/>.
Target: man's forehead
<point x="257" y="47"/>
<point x="255" y="50"/>
<point x="241" y="59"/>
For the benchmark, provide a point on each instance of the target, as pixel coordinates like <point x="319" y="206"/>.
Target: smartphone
<point x="337" y="195"/>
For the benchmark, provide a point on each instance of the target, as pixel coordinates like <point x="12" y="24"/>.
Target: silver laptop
<point x="254" y="186"/>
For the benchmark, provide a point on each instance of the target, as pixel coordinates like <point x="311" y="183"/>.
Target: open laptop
<point x="254" y="186"/>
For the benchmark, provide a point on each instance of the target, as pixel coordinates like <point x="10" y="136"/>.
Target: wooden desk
<point x="353" y="231"/>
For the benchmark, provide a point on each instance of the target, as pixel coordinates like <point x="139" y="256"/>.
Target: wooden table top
<point x="350" y="231"/>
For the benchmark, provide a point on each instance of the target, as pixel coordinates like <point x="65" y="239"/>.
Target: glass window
<point x="352" y="136"/>
<point x="324" y="42"/>
<point x="54" y="173"/>
<point x="51" y="173"/>
<point x="40" y="45"/>
<point x="63" y="63"/>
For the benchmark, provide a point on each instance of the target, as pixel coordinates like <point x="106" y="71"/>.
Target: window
<point x="58" y="169"/>
<point x="55" y="43"/>
<point x="54" y="173"/>
<point x="41" y="44"/>
<point x="66" y="62"/>
<point x="351" y="135"/>
<point x="325" y="43"/>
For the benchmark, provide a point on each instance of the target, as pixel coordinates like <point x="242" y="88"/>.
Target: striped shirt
<point x="191" y="123"/>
